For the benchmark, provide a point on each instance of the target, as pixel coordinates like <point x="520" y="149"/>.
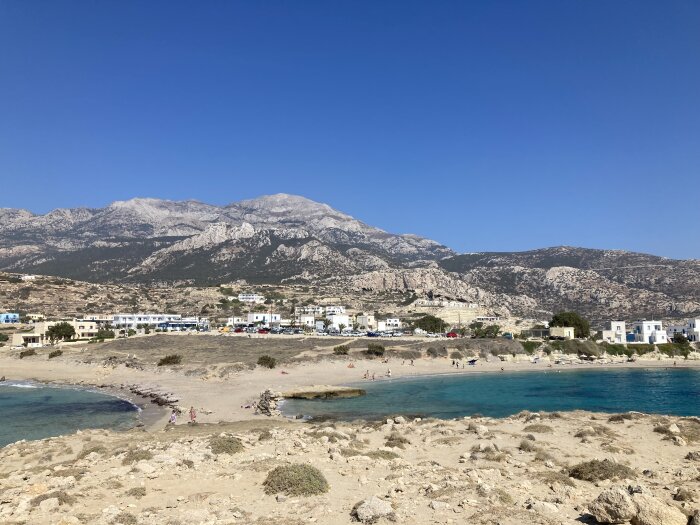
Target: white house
<point x="616" y="333"/>
<point x="334" y="310"/>
<point x="651" y="332"/>
<point x="133" y="320"/>
<point x="310" y="309"/>
<point x="563" y="332"/>
<point x="690" y="329"/>
<point x="251" y="298"/>
<point x="306" y="320"/>
<point x="339" y="319"/>
<point x="235" y="321"/>
<point x="263" y="318"/>
<point x="393" y="323"/>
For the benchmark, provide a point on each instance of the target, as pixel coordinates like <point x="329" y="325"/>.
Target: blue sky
<point x="491" y="125"/>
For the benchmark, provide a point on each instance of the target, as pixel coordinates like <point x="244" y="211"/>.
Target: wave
<point x="20" y="385"/>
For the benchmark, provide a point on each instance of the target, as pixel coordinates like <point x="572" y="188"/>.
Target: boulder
<point x="651" y="511"/>
<point x="371" y="510"/>
<point x="613" y="505"/>
<point x="49" y="505"/>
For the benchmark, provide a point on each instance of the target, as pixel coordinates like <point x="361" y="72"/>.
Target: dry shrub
<point x="528" y="446"/>
<point x="539" y="428"/>
<point x="63" y="498"/>
<point x="225" y="445"/>
<point x="596" y="470"/>
<point x="135" y="455"/>
<point x="136" y="492"/>
<point x="620" y="418"/>
<point x="552" y="477"/>
<point x="125" y="518"/>
<point x="296" y="480"/>
<point x="97" y="449"/>
<point x="396" y="440"/>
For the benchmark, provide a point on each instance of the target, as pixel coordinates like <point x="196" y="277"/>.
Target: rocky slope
<point x="289" y="239"/>
<point x="530" y="468"/>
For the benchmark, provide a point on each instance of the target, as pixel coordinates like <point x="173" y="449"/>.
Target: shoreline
<point x="225" y="400"/>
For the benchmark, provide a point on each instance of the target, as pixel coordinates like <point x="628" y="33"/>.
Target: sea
<point x="30" y="410"/>
<point x="654" y="390"/>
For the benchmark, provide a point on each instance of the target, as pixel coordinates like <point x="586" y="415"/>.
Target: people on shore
<point x="193" y="416"/>
<point x="173" y="417"/>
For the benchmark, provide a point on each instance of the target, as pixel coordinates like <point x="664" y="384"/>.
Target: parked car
<point x="452" y="335"/>
<point x="263" y="331"/>
<point x="238" y="330"/>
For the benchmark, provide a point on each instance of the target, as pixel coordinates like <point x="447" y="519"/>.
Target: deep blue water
<point x="35" y="411"/>
<point x="663" y="391"/>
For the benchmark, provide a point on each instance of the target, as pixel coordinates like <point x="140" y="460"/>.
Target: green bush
<point x="27" y="353"/>
<point x="375" y="350"/>
<point x="171" y="359"/>
<point x="296" y="480"/>
<point x="596" y="470"/>
<point x="530" y="346"/>
<point x="456" y="355"/>
<point x="341" y="350"/>
<point x="436" y="352"/>
<point x="267" y="361"/>
<point x="674" y="349"/>
<point x="55" y="353"/>
<point x="225" y="445"/>
<point x="4" y="337"/>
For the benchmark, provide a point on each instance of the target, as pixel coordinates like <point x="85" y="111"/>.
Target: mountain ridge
<point x="284" y="238"/>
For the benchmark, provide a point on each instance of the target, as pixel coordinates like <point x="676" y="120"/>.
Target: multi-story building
<point x="131" y="321"/>
<point x="266" y="319"/>
<point x="306" y="321"/>
<point x="310" y="309"/>
<point x="339" y="321"/>
<point x="365" y="321"/>
<point x="615" y="333"/>
<point x="9" y="318"/>
<point x="186" y="324"/>
<point x="236" y="321"/>
<point x="251" y="298"/>
<point x="690" y="329"/>
<point x="393" y="323"/>
<point x="650" y="332"/>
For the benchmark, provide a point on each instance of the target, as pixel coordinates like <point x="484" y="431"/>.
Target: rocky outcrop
<point x="618" y="504"/>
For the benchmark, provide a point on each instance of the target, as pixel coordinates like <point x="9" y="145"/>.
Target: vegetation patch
<point x="620" y="418"/>
<point x="551" y="477"/>
<point x="63" y="498"/>
<point x="171" y="359"/>
<point x="597" y="470"/>
<point x="436" y="352"/>
<point x="136" y="492"/>
<point x="528" y="446"/>
<point x="296" y="480"/>
<point x="225" y="445"/>
<point x="375" y="350"/>
<point x="267" y="361"/>
<point x="396" y="440"/>
<point x="27" y="353"/>
<point x="341" y="350"/>
<point x="125" y="518"/>
<point x="55" y="353"/>
<point x="530" y="346"/>
<point x="539" y="428"/>
<point x="97" y="449"/>
<point x="135" y="455"/>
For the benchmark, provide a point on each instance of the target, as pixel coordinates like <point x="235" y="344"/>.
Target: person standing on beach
<point x="193" y="416"/>
<point x="173" y="417"/>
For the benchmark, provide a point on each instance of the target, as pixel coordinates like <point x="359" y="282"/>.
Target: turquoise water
<point x="35" y="411"/>
<point x="663" y="391"/>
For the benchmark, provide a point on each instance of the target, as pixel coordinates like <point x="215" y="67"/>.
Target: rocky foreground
<point x="529" y="468"/>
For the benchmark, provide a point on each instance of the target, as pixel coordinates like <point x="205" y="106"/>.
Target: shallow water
<point x="662" y="391"/>
<point x="35" y="411"/>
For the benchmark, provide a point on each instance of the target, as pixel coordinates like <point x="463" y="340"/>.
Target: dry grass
<point x="594" y="430"/>
<point x="552" y="477"/>
<point x="63" y="498"/>
<point x="136" y="492"/>
<point x="135" y="455"/>
<point x="97" y="449"/>
<point x="396" y="440"/>
<point x="596" y="470"/>
<point x="125" y="518"/>
<point x="539" y="428"/>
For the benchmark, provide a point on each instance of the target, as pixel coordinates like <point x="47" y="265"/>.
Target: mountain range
<point x="290" y="239"/>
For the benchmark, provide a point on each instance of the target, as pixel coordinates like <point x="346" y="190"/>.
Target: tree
<point x="680" y="339"/>
<point x="60" y="331"/>
<point x="326" y="323"/>
<point x="341" y="327"/>
<point x="581" y="327"/>
<point x="430" y="323"/>
<point x="105" y="333"/>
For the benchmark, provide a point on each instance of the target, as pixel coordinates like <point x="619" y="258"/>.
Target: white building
<point x="443" y="303"/>
<point x="365" y="321"/>
<point x="309" y="309"/>
<point x="339" y="321"/>
<point x="266" y="319"/>
<point x="235" y="321"/>
<point x="690" y="329"/>
<point x="393" y="323"/>
<point x="306" y="321"/>
<point x="335" y="310"/>
<point x="562" y="332"/>
<point x="251" y="298"/>
<point x="616" y="333"/>
<point x="133" y="320"/>
<point x="650" y="332"/>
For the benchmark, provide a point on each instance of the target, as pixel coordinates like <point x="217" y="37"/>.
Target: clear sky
<point x="486" y="125"/>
